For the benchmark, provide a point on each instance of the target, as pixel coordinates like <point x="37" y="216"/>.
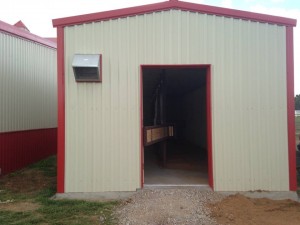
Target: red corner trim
<point x="7" y="28"/>
<point x="291" y="107"/>
<point x="61" y="112"/>
<point x="173" y="4"/>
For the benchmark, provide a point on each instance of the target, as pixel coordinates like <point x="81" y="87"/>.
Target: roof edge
<point x="173" y="4"/>
<point x="7" y="28"/>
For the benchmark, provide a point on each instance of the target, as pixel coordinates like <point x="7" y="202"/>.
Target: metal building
<point x="28" y="97"/>
<point x="184" y="81"/>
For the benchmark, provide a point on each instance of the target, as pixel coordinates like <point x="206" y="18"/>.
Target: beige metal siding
<point x="249" y="108"/>
<point x="27" y="85"/>
<point x="248" y="98"/>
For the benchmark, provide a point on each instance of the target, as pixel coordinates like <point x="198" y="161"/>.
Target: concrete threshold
<point x="165" y="186"/>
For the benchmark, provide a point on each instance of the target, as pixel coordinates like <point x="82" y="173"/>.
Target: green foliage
<point x="297" y="102"/>
<point x="297" y="124"/>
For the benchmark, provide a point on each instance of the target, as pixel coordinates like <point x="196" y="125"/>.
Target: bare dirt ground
<point x="194" y="206"/>
<point x="240" y="210"/>
<point x="19" y="206"/>
<point x="28" y="182"/>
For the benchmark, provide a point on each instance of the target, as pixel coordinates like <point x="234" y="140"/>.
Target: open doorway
<point x="177" y="97"/>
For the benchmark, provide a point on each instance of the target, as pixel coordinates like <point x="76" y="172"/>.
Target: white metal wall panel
<point x="28" y="98"/>
<point x="248" y="98"/>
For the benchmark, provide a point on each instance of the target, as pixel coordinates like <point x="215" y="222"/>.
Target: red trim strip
<point x="61" y="112"/>
<point x="209" y="116"/>
<point x="209" y="127"/>
<point x="172" y="5"/>
<point x="291" y="107"/>
<point x="7" y="28"/>
<point x="167" y="66"/>
<point x="21" y="148"/>
<point x="142" y="126"/>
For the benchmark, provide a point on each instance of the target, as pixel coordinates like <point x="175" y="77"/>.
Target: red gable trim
<point x="172" y="4"/>
<point x="7" y="28"/>
<point x="20" y="24"/>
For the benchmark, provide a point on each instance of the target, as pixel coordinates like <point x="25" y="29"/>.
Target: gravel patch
<point x="168" y="207"/>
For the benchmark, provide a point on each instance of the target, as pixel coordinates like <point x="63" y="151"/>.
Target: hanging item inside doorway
<point x="155" y="134"/>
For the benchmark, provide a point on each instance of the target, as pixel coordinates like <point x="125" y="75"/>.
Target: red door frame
<point x="208" y="113"/>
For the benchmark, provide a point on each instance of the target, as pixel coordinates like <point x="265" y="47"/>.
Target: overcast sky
<point x="37" y="15"/>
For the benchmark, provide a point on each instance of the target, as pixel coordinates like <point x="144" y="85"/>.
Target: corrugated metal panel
<point x="249" y="108"/>
<point x="248" y="98"/>
<point x="21" y="148"/>
<point x="27" y="85"/>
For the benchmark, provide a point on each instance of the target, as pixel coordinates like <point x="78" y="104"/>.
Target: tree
<point x="297" y="102"/>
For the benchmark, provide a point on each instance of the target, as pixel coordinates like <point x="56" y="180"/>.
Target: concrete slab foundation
<point x="96" y="196"/>
<point x="113" y="196"/>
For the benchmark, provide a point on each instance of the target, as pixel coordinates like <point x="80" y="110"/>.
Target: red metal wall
<point x="21" y="148"/>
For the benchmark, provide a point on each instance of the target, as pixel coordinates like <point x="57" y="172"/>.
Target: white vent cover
<point x="87" y="67"/>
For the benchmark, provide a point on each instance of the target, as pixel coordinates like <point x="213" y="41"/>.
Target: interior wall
<point x="188" y="113"/>
<point x="194" y="112"/>
<point x="148" y="114"/>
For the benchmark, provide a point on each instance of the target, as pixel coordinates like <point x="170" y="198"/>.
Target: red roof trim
<point x="173" y="5"/>
<point x="5" y="27"/>
<point x="53" y="39"/>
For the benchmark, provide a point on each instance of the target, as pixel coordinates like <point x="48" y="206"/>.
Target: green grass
<point x="50" y="211"/>
<point x="20" y="218"/>
<point x="47" y="166"/>
<point x="76" y="212"/>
